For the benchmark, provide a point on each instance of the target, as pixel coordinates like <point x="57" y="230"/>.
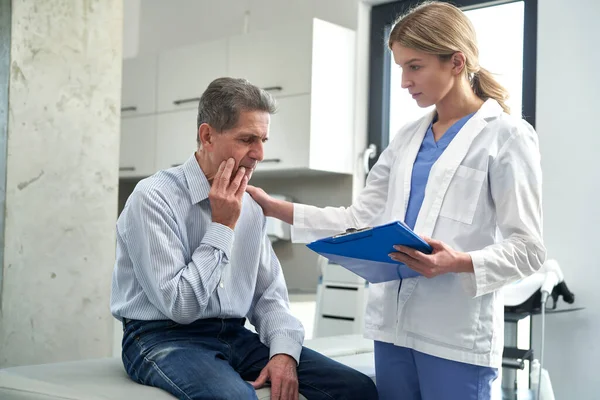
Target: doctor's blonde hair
<point x="442" y="29"/>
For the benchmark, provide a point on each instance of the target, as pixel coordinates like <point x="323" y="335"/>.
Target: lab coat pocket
<point x="460" y="201"/>
<point x="439" y="310"/>
<point x="381" y="307"/>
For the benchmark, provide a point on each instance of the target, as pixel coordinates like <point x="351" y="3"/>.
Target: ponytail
<point x="486" y="87"/>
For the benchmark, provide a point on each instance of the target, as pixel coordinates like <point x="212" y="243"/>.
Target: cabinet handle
<point x="132" y="108"/>
<point x="341" y="287"/>
<point x="337" y="317"/>
<point x="183" y="101"/>
<point x="273" y="88"/>
<point x="175" y="165"/>
<point x="128" y="169"/>
<point x="271" y="160"/>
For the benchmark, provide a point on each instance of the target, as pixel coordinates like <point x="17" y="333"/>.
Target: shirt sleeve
<point x="270" y="313"/>
<point x="177" y="287"/>
<point x="516" y="187"/>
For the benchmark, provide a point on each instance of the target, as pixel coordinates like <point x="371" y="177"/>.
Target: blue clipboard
<point x="365" y="251"/>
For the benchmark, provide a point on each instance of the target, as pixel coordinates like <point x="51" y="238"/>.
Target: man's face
<point x="244" y="142"/>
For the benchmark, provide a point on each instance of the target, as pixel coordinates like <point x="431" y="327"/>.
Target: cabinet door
<point x="184" y="73"/>
<point x="138" y="93"/>
<point x="287" y="147"/>
<point x="276" y="60"/>
<point x="138" y="141"/>
<point x="175" y="138"/>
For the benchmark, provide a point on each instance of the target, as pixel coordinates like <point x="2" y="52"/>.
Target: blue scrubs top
<point x="429" y="152"/>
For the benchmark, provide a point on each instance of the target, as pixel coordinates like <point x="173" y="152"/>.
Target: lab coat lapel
<point x="445" y="167"/>
<point x="407" y="161"/>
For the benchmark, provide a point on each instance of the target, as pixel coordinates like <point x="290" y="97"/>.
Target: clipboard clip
<point x="350" y="231"/>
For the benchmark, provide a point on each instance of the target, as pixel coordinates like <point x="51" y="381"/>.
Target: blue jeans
<point x="406" y="374"/>
<point x="213" y="359"/>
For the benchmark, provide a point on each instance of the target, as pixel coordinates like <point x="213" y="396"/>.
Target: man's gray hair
<point x="224" y="99"/>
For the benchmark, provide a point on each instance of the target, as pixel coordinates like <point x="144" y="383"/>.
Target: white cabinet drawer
<point x="340" y="301"/>
<point x="175" y="138"/>
<point x="335" y="327"/>
<point x="336" y="273"/>
<point x="138" y="140"/>
<point x="289" y="132"/>
<point x="184" y="74"/>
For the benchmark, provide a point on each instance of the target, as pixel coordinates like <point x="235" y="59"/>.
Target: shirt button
<point x="221" y="284"/>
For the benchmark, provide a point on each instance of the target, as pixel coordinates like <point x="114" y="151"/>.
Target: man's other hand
<point x="281" y="372"/>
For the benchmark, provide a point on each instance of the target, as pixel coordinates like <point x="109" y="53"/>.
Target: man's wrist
<point x="284" y="355"/>
<point x="230" y="225"/>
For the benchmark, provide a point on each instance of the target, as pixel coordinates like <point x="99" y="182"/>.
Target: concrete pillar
<point x="61" y="169"/>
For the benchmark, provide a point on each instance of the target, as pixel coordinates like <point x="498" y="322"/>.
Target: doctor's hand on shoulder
<point x="280" y="209"/>
<point x="442" y="260"/>
<point x="262" y="198"/>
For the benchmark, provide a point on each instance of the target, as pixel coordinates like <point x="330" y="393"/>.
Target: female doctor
<point x="467" y="178"/>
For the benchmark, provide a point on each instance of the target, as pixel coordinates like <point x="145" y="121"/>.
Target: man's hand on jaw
<point x="281" y="372"/>
<point x="226" y="194"/>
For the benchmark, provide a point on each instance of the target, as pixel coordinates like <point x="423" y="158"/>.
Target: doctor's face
<point x="427" y="78"/>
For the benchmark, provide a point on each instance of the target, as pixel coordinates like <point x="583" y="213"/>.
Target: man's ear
<point x="205" y="135"/>
<point x="459" y="61"/>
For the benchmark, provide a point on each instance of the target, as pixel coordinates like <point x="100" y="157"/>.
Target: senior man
<point x="194" y="261"/>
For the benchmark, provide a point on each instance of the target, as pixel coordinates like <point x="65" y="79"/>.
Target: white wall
<point x="568" y="87"/>
<point x="62" y="173"/>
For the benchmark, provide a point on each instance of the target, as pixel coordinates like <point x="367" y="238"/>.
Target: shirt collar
<point x="197" y="183"/>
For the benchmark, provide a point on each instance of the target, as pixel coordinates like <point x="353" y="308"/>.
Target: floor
<point x="303" y="307"/>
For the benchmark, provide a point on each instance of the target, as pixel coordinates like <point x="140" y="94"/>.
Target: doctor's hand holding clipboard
<point x="467" y="179"/>
<point x="442" y="260"/>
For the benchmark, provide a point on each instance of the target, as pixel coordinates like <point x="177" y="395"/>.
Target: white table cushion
<point x="99" y="379"/>
<point x="106" y="379"/>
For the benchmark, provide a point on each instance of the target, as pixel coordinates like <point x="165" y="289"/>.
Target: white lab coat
<point x="483" y="196"/>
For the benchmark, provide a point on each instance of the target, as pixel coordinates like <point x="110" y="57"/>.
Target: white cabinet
<point x="312" y="66"/>
<point x="175" y="138"/>
<point x="184" y="73"/>
<point x="138" y="96"/>
<point x="277" y="61"/>
<point x="138" y="146"/>
<point x="288" y="147"/>
<point x="308" y="66"/>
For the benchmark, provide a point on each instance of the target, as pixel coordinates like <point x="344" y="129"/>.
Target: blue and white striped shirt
<point x="174" y="263"/>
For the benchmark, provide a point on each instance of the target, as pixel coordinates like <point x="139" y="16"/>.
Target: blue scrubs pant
<point x="406" y="374"/>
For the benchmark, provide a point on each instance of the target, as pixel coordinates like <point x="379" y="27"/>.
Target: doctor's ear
<point x="459" y="62"/>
